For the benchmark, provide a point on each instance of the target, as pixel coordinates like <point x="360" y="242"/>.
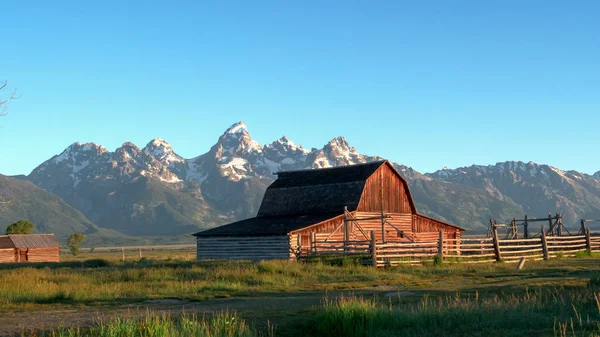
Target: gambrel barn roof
<point x="299" y="199"/>
<point x="317" y="191"/>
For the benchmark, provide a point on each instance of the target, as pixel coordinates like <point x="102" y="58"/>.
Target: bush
<point x="95" y="263"/>
<point x="145" y="262"/>
<point x="438" y="260"/>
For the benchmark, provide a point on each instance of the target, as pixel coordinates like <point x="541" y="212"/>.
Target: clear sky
<point x="424" y="83"/>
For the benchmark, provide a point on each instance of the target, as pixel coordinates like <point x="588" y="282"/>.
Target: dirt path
<point x="255" y="309"/>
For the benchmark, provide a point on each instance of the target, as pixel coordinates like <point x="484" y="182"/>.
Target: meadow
<point x="337" y="297"/>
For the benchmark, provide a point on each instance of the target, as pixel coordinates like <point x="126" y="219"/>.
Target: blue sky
<point x="434" y="84"/>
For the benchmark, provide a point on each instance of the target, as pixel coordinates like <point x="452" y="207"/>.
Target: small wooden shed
<point x="322" y="203"/>
<point x="29" y="248"/>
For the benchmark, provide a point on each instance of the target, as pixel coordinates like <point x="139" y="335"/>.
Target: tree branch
<point x="11" y="96"/>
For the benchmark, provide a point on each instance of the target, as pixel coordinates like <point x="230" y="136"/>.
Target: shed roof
<point x="268" y="226"/>
<point x="6" y="242"/>
<point x="34" y="240"/>
<point x="317" y="191"/>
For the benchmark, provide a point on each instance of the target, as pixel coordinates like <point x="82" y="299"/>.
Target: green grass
<point x="220" y="325"/>
<point x="537" y="312"/>
<point x="93" y="282"/>
<point x="547" y="298"/>
<point x="554" y="311"/>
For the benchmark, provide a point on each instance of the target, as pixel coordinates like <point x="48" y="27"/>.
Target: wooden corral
<point x="29" y="248"/>
<point x="331" y="206"/>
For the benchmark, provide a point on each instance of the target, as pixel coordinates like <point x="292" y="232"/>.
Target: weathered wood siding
<point x="322" y="229"/>
<point x="398" y="221"/>
<point x="243" y="247"/>
<point x="428" y="228"/>
<point x="395" y="193"/>
<point x="7" y="255"/>
<point x="43" y="255"/>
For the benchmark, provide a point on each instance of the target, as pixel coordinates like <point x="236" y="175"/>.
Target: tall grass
<point x="557" y="311"/>
<point x="220" y="325"/>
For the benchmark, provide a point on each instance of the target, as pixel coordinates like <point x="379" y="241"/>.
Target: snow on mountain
<point x="234" y="157"/>
<point x="336" y="153"/>
<point x="162" y="151"/>
<point x="517" y="170"/>
<point x="537" y="188"/>
<point x="228" y="181"/>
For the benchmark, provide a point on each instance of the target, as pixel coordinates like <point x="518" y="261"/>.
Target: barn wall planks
<point x="243" y="248"/>
<point x="395" y="193"/>
<point x="43" y="255"/>
<point x="7" y="255"/>
<point x="395" y="222"/>
<point x="422" y="224"/>
<point x="325" y="227"/>
<point x="30" y="255"/>
<point x="398" y="228"/>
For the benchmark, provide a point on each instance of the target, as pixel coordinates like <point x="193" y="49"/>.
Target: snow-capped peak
<point x="162" y="151"/>
<point x="76" y="148"/>
<point x="129" y="145"/>
<point x="339" y="142"/>
<point x="239" y="127"/>
<point x="285" y="144"/>
<point x="237" y="140"/>
<point x="285" y="140"/>
<point x="159" y="142"/>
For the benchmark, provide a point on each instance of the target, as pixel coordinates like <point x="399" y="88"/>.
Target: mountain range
<point x="152" y="191"/>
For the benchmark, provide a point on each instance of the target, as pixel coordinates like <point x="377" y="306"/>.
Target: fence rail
<point x="465" y="250"/>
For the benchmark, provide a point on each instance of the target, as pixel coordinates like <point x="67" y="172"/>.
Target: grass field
<point x="548" y="298"/>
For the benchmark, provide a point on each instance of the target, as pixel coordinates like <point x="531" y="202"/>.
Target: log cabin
<point x="29" y="248"/>
<point x="340" y="203"/>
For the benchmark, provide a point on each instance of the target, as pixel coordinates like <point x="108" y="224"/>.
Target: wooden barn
<point x="341" y="203"/>
<point x="29" y="248"/>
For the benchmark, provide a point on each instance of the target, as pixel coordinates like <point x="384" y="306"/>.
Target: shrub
<point x="95" y="263"/>
<point x="438" y="260"/>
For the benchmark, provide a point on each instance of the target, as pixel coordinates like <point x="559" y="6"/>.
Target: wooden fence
<point x="464" y="250"/>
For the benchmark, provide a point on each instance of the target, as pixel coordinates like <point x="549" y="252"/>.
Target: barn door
<point x="22" y="255"/>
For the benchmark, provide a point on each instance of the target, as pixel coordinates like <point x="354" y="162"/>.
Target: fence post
<point x="545" y="244"/>
<point x="123" y="253"/>
<point x="560" y="225"/>
<point x="525" y="228"/>
<point x="373" y="246"/>
<point x="496" y="244"/>
<point x="441" y="245"/>
<point x="140" y="252"/>
<point x="588" y="240"/>
<point x="313" y="244"/>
